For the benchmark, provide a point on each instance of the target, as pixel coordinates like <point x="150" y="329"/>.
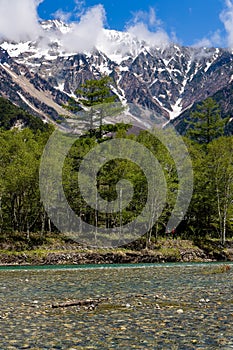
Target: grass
<point x="170" y="252"/>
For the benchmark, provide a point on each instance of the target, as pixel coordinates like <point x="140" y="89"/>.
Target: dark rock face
<point x="167" y="81"/>
<point x="4" y="57"/>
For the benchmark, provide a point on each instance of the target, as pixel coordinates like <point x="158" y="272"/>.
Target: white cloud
<point x="77" y="12"/>
<point x="19" y="20"/>
<point x="214" y="40"/>
<point x="153" y="20"/>
<point x="156" y="39"/>
<point x="84" y="34"/>
<point x="62" y="16"/>
<point x="226" y="17"/>
<point x="204" y="42"/>
<point x="147" y="27"/>
<point x="218" y="39"/>
<point x="79" y="6"/>
<point x="149" y="18"/>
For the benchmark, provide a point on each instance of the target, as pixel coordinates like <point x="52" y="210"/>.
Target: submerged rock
<point x="180" y="311"/>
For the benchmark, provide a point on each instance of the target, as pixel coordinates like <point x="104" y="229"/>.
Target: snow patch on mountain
<point x="167" y="78"/>
<point x="118" y="46"/>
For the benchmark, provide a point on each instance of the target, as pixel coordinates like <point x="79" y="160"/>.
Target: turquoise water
<point x="106" y="266"/>
<point x="156" y="306"/>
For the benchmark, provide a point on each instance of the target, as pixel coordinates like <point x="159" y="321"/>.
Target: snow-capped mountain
<point x="41" y="75"/>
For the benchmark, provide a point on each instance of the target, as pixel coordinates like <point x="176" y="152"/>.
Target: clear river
<point x="157" y="306"/>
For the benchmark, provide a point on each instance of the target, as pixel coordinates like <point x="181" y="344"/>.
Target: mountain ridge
<point x="167" y="80"/>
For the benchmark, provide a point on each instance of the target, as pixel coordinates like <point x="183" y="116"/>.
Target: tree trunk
<point x="1" y="216"/>
<point x="96" y="214"/>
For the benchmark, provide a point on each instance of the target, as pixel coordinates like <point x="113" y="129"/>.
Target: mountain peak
<point x="56" y="25"/>
<point x="167" y="79"/>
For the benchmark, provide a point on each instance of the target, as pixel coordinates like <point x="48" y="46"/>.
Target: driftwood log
<point x="87" y="302"/>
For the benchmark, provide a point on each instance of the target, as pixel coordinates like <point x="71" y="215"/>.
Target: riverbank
<point x="57" y="252"/>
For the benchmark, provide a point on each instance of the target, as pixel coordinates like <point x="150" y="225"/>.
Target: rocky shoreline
<point x="111" y="256"/>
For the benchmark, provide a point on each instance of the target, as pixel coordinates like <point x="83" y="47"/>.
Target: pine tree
<point x="94" y="92"/>
<point x="98" y="101"/>
<point x="206" y="123"/>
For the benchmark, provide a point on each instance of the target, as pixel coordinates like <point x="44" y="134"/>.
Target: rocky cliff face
<point x="166" y="80"/>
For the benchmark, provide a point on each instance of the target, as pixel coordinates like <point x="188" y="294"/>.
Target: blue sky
<point x="190" y="21"/>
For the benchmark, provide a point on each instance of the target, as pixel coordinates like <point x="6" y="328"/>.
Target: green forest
<point x="210" y="213"/>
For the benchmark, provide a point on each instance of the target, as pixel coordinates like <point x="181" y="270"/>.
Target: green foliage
<point x="95" y="92"/>
<point x="20" y="207"/>
<point x="10" y="115"/>
<point x="210" y="212"/>
<point x="206" y="123"/>
<point x="95" y="101"/>
<point x="73" y="105"/>
<point x="220" y="164"/>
